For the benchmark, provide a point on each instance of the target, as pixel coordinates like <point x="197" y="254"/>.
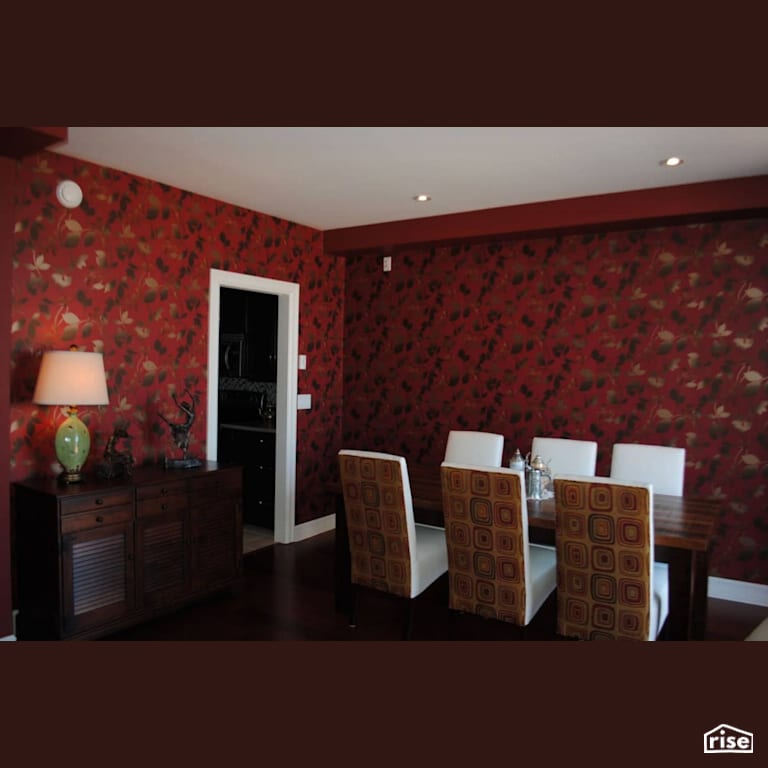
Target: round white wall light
<point x="69" y="194"/>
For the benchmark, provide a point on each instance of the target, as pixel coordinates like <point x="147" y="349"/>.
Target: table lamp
<point x="71" y="378"/>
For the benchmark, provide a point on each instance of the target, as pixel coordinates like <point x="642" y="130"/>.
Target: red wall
<point x="127" y="273"/>
<point x="7" y="174"/>
<point x="647" y="335"/>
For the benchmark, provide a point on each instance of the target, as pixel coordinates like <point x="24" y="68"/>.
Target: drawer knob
<point x="163" y="506"/>
<point x="99" y="501"/>
<point x="99" y="518"/>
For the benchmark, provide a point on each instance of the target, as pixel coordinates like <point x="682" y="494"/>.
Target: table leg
<point x="697" y="623"/>
<point x="688" y="573"/>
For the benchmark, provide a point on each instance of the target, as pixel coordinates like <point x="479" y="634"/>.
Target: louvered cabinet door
<point x="161" y="540"/>
<point x="97" y="576"/>
<point x="214" y="558"/>
<point x="216" y="529"/>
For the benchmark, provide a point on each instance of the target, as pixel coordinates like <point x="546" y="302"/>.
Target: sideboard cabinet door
<point x="215" y="508"/>
<point x="97" y="576"/>
<point x="162" y="533"/>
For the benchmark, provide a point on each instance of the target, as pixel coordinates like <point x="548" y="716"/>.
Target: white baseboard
<point x="12" y="637"/>
<point x="314" y="527"/>
<point x="738" y="591"/>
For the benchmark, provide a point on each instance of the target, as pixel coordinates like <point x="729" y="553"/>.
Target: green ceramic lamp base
<point x="73" y="442"/>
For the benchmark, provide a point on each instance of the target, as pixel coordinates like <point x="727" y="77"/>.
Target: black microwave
<point x="232" y="355"/>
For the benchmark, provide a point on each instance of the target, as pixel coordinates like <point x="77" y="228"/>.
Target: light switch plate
<point x="302" y="362"/>
<point x="304" y="402"/>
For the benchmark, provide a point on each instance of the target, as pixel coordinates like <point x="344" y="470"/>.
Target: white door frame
<point x="287" y="384"/>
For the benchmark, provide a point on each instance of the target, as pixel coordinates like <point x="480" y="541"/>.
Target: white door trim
<point x="287" y="384"/>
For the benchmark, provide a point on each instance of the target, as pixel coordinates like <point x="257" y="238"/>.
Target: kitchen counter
<point x="254" y="425"/>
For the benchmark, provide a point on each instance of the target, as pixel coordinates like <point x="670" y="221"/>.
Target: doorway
<point x="286" y="385"/>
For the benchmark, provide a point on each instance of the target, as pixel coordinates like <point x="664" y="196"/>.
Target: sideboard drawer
<point x="96" y="519"/>
<point x="109" y="498"/>
<point x="161" y="490"/>
<point x="160" y="505"/>
<point x="224" y="484"/>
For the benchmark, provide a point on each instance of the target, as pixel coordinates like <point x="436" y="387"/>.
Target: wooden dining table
<point x="683" y="531"/>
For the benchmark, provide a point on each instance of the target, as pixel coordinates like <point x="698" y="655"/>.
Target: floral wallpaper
<point x="126" y="274"/>
<point x="656" y="336"/>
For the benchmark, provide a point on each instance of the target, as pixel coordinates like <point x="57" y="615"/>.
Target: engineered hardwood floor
<point x="256" y="538"/>
<point x="287" y="594"/>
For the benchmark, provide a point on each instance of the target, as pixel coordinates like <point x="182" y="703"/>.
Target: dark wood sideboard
<point x="101" y="555"/>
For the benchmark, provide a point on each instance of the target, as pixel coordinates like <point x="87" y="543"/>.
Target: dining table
<point x="683" y="531"/>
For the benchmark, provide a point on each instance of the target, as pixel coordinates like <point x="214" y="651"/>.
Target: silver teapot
<point x="535" y="472"/>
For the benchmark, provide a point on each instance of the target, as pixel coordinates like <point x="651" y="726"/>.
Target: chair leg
<point x="353" y="607"/>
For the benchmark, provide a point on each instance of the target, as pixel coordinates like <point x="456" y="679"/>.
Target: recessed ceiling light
<point x="422" y="198"/>
<point x="672" y="162"/>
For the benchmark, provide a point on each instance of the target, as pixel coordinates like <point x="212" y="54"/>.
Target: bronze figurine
<point x="180" y="433"/>
<point x="118" y="462"/>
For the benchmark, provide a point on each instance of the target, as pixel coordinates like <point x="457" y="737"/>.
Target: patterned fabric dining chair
<point x="389" y="551"/>
<point x="493" y="570"/>
<point x="470" y="447"/>
<point x="608" y="585"/>
<point x="663" y="466"/>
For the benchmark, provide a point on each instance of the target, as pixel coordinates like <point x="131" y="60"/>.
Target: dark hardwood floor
<point x="287" y="594"/>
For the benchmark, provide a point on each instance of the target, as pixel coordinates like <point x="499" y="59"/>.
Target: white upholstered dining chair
<point x="493" y="569"/>
<point x="564" y="456"/>
<point x="468" y="447"/>
<point x="608" y="584"/>
<point x="389" y="550"/>
<point x="661" y="465"/>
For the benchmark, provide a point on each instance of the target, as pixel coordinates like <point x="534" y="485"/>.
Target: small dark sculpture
<point x="180" y="433"/>
<point x="117" y="462"/>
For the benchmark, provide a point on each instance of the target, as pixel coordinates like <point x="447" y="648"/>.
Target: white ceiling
<point x="331" y="178"/>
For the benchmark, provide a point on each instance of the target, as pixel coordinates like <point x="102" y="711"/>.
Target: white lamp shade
<point x="71" y="378"/>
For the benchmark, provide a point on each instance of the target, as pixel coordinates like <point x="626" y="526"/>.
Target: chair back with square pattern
<point x="605" y="560"/>
<point x="380" y="523"/>
<point x="490" y="566"/>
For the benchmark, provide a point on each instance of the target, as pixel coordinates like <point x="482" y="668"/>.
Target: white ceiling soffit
<point x="330" y="177"/>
